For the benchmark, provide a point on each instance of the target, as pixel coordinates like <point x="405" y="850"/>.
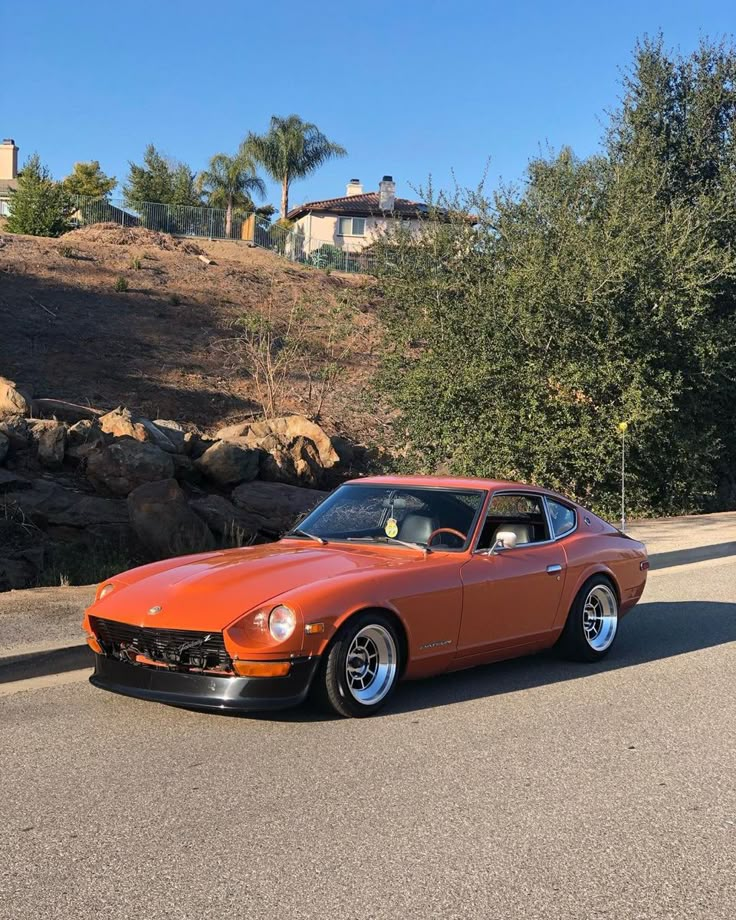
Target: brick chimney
<point x="354" y="188"/>
<point x="8" y="160"/>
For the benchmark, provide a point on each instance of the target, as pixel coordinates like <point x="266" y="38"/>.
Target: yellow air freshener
<point x="392" y="528"/>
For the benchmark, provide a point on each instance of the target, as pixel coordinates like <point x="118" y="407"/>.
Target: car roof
<point x="456" y="482"/>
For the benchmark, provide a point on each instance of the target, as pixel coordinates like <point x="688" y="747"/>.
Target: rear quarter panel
<point x="592" y="550"/>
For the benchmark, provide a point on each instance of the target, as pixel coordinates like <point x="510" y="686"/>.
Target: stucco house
<point x="356" y="219"/>
<point x="8" y="173"/>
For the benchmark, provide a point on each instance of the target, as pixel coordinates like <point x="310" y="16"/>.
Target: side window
<point x="516" y="511"/>
<point x="562" y="516"/>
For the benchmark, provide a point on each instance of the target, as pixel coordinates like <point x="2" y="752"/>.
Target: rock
<point x="121" y="424"/>
<point x="13" y="399"/>
<point x="163" y="521"/>
<point x="156" y="436"/>
<point x="66" y="411"/>
<point x="45" y="503"/>
<point x="10" y="482"/>
<point x="221" y="516"/>
<point x="52" y="446"/>
<point x="308" y="447"/>
<point x="345" y="450"/>
<point x="273" y="507"/>
<point x="4" y="446"/>
<point x="19" y="568"/>
<point x="83" y="438"/>
<point x="173" y="431"/>
<point x="15" y="429"/>
<point x="185" y="470"/>
<point x="195" y="445"/>
<point x="126" y="464"/>
<point x="229" y="462"/>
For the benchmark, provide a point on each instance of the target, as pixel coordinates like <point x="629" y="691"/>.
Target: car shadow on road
<point x="692" y="554"/>
<point x="652" y="632"/>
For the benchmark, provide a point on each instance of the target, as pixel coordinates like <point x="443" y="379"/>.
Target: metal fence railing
<point x="212" y="224"/>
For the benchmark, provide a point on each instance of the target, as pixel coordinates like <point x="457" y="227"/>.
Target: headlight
<point x="104" y="590"/>
<point x="281" y="623"/>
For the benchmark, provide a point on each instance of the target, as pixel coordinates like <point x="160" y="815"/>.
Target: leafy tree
<point x="291" y="149"/>
<point x="87" y="180"/>
<point x="160" y="180"/>
<point x="602" y="292"/>
<point x="38" y="206"/>
<point x="229" y="183"/>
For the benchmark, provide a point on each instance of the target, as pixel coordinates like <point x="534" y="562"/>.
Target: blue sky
<point x="410" y="87"/>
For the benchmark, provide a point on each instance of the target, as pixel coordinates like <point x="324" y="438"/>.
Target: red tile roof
<point x="364" y="205"/>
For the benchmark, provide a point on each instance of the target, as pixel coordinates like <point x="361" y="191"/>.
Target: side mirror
<point x="505" y="539"/>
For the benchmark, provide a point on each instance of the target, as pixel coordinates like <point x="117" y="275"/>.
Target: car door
<point x="511" y="597"/>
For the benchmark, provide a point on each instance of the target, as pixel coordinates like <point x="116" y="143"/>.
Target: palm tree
<point x="291" y="149"/>
<point x="229" y="183"/>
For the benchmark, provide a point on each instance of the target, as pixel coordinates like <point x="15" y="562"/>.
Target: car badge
<point x="154" y="610"/>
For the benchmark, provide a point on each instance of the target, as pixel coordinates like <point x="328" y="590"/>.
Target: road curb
<point x="44" y="661"/>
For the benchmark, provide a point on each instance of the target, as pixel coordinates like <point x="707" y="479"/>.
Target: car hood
<point x="212" y="590"/>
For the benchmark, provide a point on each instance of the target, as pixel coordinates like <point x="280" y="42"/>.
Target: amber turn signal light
<point x="312" y="629"/>
<point x="94" y="645"/>
<point x="262" y="668"/>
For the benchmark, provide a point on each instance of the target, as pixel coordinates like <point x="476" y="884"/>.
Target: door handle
<point x="554" y="569"/>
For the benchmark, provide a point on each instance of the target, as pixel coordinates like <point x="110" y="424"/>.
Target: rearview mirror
<point x="505" y="539"/>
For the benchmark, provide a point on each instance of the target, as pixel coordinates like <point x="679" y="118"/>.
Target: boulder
<point x="120" y="423"/>
<point x="298" y="463"/>
<point x="4" y="446"/>
<point x="163" y="521"/>
<point x="45" y="503"/>
<point x="17" y="570"/>
<point x="12" y="482"/>
<point x="15" y="429"/>
<point x="52" y="446"/>
<point x="83" y="438"/>
<point x="229" y="462"/>
<point x="185" y="470"/>
<point x="13" y="399"/>
<point x="173" y="432"/>
<point x="221" y="516"/>
<point x="126" y="464"/>
<point x="286" y="430"/>
<point x="273" y="507"/>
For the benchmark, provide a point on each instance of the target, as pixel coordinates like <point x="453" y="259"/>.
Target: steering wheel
<point x="455" y="533"/>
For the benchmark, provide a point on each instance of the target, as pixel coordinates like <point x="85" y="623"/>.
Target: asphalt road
<point x="530" y="789"/>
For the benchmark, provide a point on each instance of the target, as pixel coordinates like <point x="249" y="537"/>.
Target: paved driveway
<point x="530" y="789"/>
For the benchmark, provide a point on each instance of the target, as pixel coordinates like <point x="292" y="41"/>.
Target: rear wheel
<point x="592" y="624"/>
<point x="361" y="668"/>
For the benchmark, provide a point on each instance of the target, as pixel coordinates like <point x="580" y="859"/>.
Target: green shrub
<point x="601" y="292"/>
<point x="121" y="285"/>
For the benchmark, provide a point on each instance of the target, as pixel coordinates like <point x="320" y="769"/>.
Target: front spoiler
<point x="206" y="691"/>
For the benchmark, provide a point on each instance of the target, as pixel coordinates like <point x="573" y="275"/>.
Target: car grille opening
<point x="180" y="649"/>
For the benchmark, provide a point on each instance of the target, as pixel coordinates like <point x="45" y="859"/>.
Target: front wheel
<point x="592" y="624"/>
<point x="361" y="668"/>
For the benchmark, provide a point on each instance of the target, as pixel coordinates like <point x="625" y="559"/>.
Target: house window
<point x="351" y="226"/>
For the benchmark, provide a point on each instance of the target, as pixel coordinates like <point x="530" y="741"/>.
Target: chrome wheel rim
<point x="371" y="663"/>
<point x="600" y="618"/>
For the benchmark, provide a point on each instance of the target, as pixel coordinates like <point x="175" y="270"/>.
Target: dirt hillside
<point x="161" y="346"/>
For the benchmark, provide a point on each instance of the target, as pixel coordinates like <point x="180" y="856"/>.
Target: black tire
<point x="577" y="641"/>
<point x="332" y="687"/>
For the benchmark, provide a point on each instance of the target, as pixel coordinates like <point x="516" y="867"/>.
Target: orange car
<point x="388" y="577"/>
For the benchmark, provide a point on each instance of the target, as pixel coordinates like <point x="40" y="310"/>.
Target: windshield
<point x="425" y="517"/>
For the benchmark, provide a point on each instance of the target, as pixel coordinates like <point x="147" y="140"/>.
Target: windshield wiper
<point x="419" y="546"/>
<point x="298" y="532"/>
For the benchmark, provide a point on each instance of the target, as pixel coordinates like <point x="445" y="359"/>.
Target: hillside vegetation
<point x="108" y="316"/>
